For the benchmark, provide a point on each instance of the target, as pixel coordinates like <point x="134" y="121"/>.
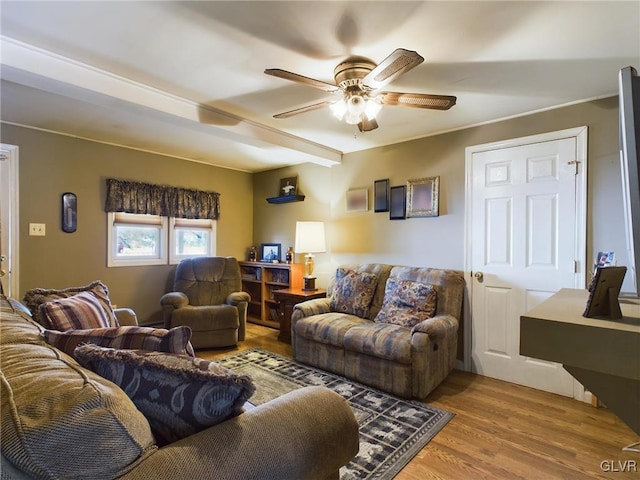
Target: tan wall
<point x="437" y="242"/>
<point x="53" y="164"/>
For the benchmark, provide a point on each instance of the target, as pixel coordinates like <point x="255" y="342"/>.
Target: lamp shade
<point x="310" y="237"/>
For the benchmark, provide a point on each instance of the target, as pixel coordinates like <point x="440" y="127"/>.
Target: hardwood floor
<point x="504" y="431"/>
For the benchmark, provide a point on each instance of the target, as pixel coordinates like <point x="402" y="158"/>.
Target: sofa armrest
<point x="438" y="327"/>
<point x="126" y="317"/>
<point x="308" y="433"/>
<point x="236" y="298"/>
<point x="310" y="307"/>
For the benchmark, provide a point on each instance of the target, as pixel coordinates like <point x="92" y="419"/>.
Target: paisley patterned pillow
<point x="179" y="395"/>
<point x="407" y="303"/>
<point x="353" y="292"/>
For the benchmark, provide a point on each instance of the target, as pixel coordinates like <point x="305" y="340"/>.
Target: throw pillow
<point x="175" y="340"/>
<point x="353" y="292"/>
<point x="78" y="312"/>
<point x="407" y="303"/>
<point x="178" y="395"/>
<point x="34" y="298"/>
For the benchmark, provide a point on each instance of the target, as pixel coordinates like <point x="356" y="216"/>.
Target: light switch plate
<point x="37" y="229"/>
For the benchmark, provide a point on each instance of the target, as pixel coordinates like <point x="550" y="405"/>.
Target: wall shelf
<point x="286" y="199"/>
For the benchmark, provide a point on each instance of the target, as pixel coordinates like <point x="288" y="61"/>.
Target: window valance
<point x="167" y="201"/>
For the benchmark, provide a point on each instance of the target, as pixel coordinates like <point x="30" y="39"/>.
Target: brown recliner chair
<point x="208" y="297"/>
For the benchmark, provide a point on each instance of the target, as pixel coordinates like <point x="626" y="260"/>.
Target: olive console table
<point x="603" y="355"/>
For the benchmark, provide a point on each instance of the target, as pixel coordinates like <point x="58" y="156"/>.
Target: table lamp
<point x="310" y="239"/>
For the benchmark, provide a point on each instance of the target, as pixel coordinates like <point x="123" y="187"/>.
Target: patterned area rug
<point x="392" y="430"/>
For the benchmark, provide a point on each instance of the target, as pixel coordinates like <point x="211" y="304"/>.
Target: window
<point x="137" y="239"/>
<point x="191" y="238"/>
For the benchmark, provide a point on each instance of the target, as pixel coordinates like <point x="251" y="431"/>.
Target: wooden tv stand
<point x="603" y="355"/>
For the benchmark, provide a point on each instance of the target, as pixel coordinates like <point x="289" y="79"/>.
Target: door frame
<point x="580" y="134"/>
<point x="10" y="152"/>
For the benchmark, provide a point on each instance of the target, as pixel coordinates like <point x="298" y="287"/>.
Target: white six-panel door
<point x="526" y="239"/>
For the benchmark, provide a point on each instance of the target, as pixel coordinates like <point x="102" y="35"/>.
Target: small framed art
<point x="358" y="200"/>
<point x="288" y="186"/>
<point x="381" y="195"/>
<point x="423" y="196"/>
<point x="603" y="293"/>
<point x="270" y="252"/>
<point x="398" y="202"/>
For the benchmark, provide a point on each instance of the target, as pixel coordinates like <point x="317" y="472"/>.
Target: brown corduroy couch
<point x="62" y="421"/>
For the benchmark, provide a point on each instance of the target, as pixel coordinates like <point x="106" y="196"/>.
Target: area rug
<point x="392" y="430"/>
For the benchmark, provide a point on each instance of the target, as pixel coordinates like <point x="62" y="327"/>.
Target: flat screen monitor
<point x="629" y="98"/>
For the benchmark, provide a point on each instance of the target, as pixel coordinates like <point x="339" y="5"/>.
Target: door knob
<point x="479" y="276"/>
<point x="3" y="273"/>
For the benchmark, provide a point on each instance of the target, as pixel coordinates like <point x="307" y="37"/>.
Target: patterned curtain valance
<point x="138" y="197"/>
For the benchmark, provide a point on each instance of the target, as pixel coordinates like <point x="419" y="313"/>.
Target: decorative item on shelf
<point x="253" y="254"/>
<point x="310" y="238"/>
<point x="288" y="191"/>
<point x="270" y="252"/>
<point x="288" y="186"/>
<point x="422" y="197"/>
<point x="289" y="255"/>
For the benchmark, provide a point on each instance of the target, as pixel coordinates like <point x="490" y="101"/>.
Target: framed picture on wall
<point x="398" y="202"/>
<point x="381" y="195"/>
<point x="422" y="197"/>
<point x="358" y="200"/>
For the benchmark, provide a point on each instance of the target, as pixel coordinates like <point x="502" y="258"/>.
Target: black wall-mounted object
<point x="69" y="212"/>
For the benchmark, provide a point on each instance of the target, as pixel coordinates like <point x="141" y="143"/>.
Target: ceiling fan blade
<point x="418" y="100"/>
<point x="294" y="77"/>
<point x="367" y="125"/>
<point x="399" y="62"/>
<point x="308" y="108"/>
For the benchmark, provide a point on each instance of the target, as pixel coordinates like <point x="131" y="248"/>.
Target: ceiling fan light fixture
<point x="339" y="108"/>
<point x="372" y="108"/>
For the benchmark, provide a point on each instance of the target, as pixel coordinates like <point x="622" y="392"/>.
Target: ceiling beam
<point x="37" y="68"/>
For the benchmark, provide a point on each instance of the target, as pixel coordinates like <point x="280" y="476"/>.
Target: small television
<point x="629" y="98"/>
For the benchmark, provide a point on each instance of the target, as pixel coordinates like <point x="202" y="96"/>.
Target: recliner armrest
<point x="235" y="298"/>
<point x="311" y="307"/>
<point x="437" y="327"/>
<point x="126" y="317"/>
<point x="174" y="299"/>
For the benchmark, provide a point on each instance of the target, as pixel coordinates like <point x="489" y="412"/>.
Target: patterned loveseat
<point x="391" y="327"/>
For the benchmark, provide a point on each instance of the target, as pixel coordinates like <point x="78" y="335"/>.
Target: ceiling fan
<point x="359" y="80"/>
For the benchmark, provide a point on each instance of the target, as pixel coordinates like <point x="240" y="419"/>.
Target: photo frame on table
<point x="603" y="293"/>
<point x="398" y="202"/>
<point x="381" y="195"/>
<point x="358" y="200"/>
<point x="423" y="197"/>
<point x="270" y="252"/>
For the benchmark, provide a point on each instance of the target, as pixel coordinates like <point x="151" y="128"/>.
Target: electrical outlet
<point x="37" y="229"/>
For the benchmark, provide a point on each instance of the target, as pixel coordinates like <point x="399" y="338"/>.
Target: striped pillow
<point x="35" y="298"/>
<point x="72" y="313"/>
<point x="175" y="340"/>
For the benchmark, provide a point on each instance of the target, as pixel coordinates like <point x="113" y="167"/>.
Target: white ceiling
<point x="186" y="78"/>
